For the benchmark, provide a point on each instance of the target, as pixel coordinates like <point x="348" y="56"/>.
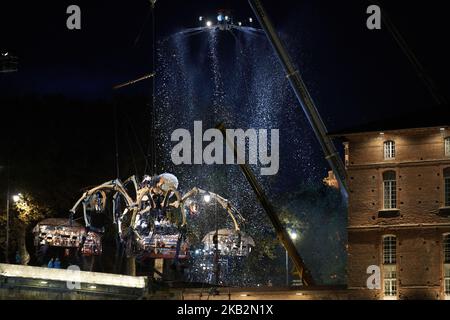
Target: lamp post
<point x="207" y="200"/>
<point x="7" y="213"/>
<point x="15" y="198"/>
<point x="294" y="237"/>
<point x="7" y="226"/>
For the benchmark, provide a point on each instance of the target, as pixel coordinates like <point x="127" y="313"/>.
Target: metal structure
<point x="65" y="234"/>
<point x="129" y="83"/>
<point x="227" y="241"/>
<point x="152" y="216"/>
<point x="58" y="233"/>
<point x="224" y="21"/>
<point x="281" y="232"/>
<point x="165" y="240"/>
<point x="231" y="210"/>
<point x="152" y="206"/>
<point x="303" y="96"/>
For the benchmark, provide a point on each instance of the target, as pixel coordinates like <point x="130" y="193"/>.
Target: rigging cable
<point x="116" y="140"/>
<point x="418" y="67"/>
<point x="138" y="37"/>
<point x="153" y="112"/>
<point x="132" y="155"/>
<point x="151" y="154"/>
<point x="136" y="137"/>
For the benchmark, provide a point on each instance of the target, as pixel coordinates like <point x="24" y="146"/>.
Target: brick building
<point x="399" y="211"/>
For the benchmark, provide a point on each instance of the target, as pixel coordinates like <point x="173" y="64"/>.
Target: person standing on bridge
<point x="57" y="264"/>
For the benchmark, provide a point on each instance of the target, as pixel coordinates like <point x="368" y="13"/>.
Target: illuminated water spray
<point x="231" y="76"/>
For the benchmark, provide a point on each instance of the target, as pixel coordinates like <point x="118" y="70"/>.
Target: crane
<point x="303" y="96"/>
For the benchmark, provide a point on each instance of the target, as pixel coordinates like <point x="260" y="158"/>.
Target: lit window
<point x="447" y="187"/>
<point x="447" y="280"/>
<point x="447" y="146"/>
<point x="389" y="266"/>
<point x="390" y="190"/>
<point x="389" y="250"/>
<point x="447" y="265"/>
<point x="390" y="283"/>
<point x="389" y="150"/>
<point x="447" y="248"/>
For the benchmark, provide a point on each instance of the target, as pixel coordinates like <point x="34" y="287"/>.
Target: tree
<point x="25" y="212"/>
<point x="318" y="214"/>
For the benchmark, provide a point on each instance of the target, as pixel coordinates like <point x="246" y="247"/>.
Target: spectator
<point x="18" y="258"/>
<point x="51" y="263"/>
<point x="57" y="264"/>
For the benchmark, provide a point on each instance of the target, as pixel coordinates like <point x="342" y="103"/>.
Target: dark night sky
<point x="355" y="75"/>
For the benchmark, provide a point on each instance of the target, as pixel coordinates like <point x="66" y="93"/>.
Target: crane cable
<point x="138" y="142"/>
<point x="418" y="67"/>
<point x="151" y="154"/>
<point x="153" y="113"/>
<point x="116" y="141"/>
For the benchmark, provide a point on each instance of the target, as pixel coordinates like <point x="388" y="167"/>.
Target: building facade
<point x="399" y="213"/>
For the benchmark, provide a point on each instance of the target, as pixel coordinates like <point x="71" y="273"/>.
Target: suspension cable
<point x="412" y="58"/>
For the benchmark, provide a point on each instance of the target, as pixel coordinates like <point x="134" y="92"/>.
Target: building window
<point x="447" y="187"/>
<point x="390" y="282"/>
<point x="347" y="154"/>
<point x="447" y="146"/>
<point x="390" y="190"/>
<point x="447" y="248"/>
<point x="447" y="265"/>
<point x="389" y="150"/>
<point x="390" y="250"/>
<point x="389" y="266"/>
<point x="447" y="280"/>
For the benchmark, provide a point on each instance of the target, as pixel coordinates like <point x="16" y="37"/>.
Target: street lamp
<point x="16" y="197"/>
<point x="293" y="235"/>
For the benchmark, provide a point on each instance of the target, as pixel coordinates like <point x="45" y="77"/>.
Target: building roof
<point x="431" y="117"/>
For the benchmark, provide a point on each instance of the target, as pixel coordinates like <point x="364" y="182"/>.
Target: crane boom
<point x="281" y="232"/>
<point x="303" y="96"/>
